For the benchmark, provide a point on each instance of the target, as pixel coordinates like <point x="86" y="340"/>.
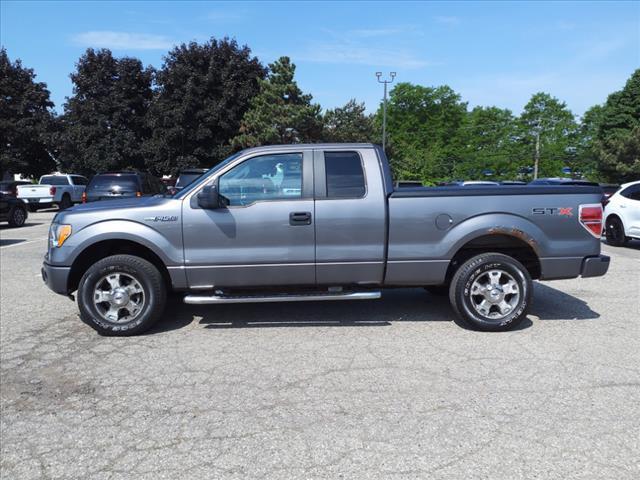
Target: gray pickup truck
<point x="321" y="222"/>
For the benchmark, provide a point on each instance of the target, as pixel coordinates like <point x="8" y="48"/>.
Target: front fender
<point x="171" y="253"/>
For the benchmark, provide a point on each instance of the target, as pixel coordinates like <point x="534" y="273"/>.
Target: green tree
<point x="26" y="121"/>
<point x="203" y="91"/>
<point x="547" y="118"/>
<point x="349" y="123"/>
<point x="281" y="113"/>
<point x="103" y="126"/>
<point x="488" y="143"/>
<point x="585" y="157"/>
<point x="618" y="133"/>
<point x="422" y="127"/>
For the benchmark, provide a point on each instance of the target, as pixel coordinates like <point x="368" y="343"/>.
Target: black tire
<point x="466" y="305"/>
<point x="33" y="208"/>
<point x="615" y="232"/>
<point x="65" y="202"/>
<point x="438" y="290"/>
<point x="17" y="216"/>
<point x="146" y="276"/>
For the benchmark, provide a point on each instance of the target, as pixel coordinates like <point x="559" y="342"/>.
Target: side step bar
<point x="208" y="299"/>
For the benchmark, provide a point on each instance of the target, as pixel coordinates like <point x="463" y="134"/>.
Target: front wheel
<point x="121" y="295"/>
<point x="491" y="292"/>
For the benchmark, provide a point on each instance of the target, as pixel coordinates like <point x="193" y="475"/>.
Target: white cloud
<point x="361" y="55"/>
<point x="223" y="16"/>
<point x="122" y="40"/>
<point x="447" y="20"/>
<point x="374" y="32"/>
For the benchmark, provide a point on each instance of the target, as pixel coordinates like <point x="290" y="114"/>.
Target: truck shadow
<point x="4" y="242"/>
<point x="400" y="305"/>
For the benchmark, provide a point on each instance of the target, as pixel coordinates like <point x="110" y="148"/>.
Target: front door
<point x="265" y="235"/>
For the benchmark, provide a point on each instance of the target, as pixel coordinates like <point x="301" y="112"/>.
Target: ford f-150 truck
<point x="321" y="222"/>
<point x="61" y="190"/>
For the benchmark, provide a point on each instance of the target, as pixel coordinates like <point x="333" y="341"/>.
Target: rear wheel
<point x="65" y="202"/>
<point x="491" y="292"/>
<point x="33" y="208"/>
<point x="615" y="232"/>
<point x="17" y="216"/>
<point x="121" y="295"/>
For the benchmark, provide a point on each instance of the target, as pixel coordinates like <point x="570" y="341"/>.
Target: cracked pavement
<point x="386" y="389"/>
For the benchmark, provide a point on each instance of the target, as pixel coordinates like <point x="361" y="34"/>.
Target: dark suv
<point x="187" y="176"/>
<point x="109" y="186"/>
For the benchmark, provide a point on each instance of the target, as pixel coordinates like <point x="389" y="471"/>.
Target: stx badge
<point x="565" y="211"/>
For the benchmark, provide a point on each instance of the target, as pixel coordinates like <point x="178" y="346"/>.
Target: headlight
<point x="58" y="234"/>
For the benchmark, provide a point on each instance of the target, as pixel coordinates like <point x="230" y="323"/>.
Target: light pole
<point x="384" y="106"/>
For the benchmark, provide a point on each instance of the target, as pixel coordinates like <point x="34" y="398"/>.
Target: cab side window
<point x="263" y="178"/>
<point x="345" y="176"/>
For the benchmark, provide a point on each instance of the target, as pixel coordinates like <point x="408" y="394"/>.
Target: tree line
<point x="211" y="99"/>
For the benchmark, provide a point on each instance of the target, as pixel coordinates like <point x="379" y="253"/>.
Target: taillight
<point x="138" y="194"/>
<point x="591" y="218"/>
<point x="52" y="191"/>
<point x="84" y="197"/>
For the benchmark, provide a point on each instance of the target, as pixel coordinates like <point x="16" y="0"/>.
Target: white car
<point x="61" y="190"/>
<point x="622" y="214"/>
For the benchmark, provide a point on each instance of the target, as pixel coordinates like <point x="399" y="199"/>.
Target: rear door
<point x="265" y="235"/>
<point x="350" y="212"/>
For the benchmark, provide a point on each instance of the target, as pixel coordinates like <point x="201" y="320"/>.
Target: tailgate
<point x="33" y="191"/>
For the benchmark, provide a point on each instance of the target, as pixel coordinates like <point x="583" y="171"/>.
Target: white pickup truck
<point x="62" y="190"/>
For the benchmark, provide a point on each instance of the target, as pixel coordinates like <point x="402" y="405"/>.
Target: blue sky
<point x="492" y="53"/>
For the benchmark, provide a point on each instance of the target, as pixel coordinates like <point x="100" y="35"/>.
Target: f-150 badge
<point x="161" y="218"/>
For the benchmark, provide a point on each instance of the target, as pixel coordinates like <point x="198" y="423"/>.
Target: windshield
<point x="185" y="191"/>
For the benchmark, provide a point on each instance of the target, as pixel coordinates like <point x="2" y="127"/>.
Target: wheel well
<point x="505" y="244"/>
<point x="613" y="215"/>
<point x="106" y="248"/>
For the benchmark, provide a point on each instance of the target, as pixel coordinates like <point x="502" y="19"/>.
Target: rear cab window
<point x="54" y="180"/>
<point x="344" y="175"/>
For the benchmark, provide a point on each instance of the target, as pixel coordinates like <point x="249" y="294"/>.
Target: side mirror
<point x="209" y="198"/>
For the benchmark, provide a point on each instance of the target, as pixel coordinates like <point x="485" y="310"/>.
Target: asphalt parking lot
<point x="385" y="389"/>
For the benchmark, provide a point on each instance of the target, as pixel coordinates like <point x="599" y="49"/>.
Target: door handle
<point x="300" y="218"/>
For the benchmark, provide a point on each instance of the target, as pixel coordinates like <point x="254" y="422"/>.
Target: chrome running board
<point x="209" y="299"/>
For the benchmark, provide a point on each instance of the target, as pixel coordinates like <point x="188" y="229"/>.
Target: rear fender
<point x="496" y="224"/>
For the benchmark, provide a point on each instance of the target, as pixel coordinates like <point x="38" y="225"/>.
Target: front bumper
<point x="56" y="278"/>
<point x="595" y="266"/>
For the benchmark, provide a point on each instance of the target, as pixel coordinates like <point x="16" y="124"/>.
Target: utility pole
<point x="537" y="158"/>
<point x="384" y="106"/>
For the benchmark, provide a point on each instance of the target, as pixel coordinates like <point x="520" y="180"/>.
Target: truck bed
<point x="472" y="191"/>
